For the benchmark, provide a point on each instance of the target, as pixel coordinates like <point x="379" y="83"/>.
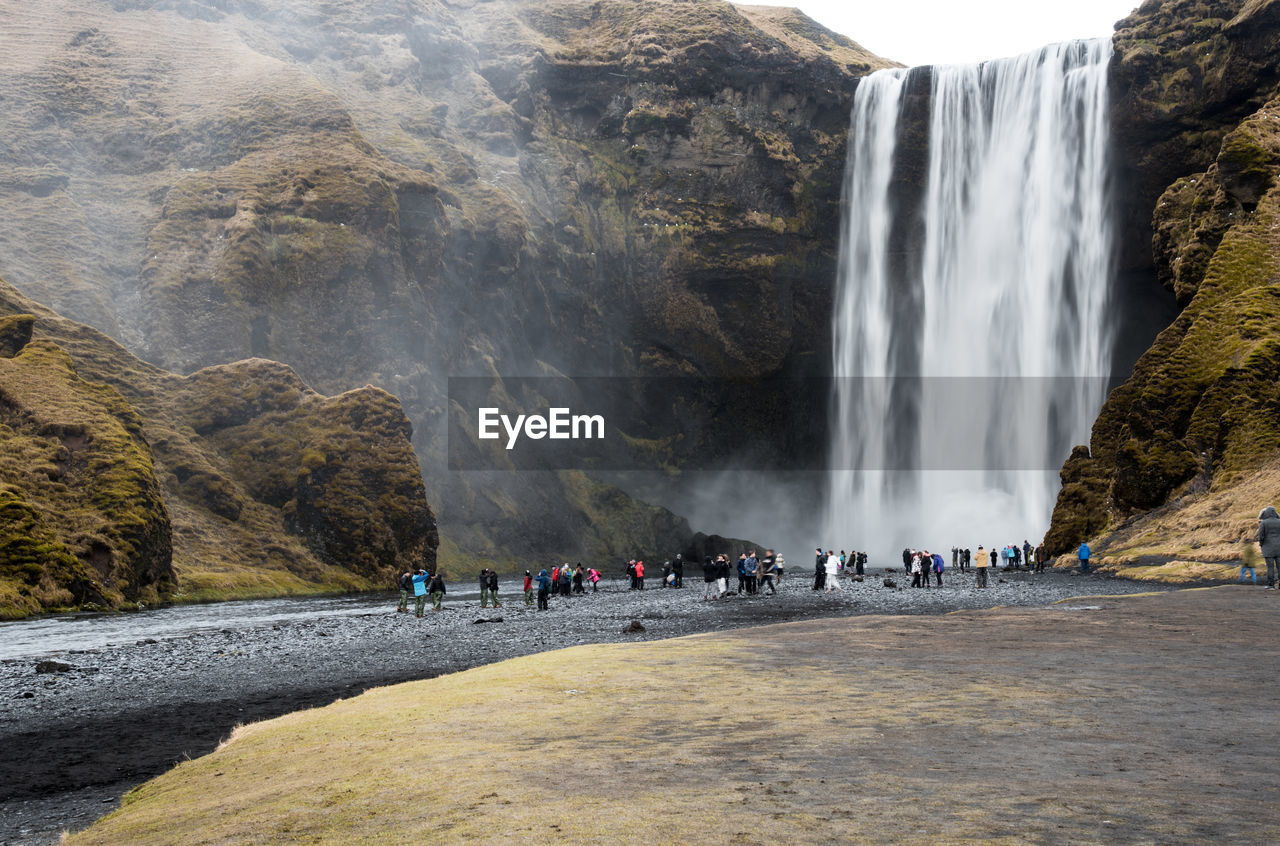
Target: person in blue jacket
<point x="420" y="580"/>
<point x="544" y="589"/>
<point x="1083" y="555"/>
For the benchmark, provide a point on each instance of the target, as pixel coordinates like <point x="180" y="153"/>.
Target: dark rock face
<point x="122" y="483"/>
<point x="1197" y="108"/>
<point x="396" y="194"/>
<point x="1183" y="74"/>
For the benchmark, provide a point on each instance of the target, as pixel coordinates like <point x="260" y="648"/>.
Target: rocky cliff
<point x="121" y="483"/>
<point x="395" y="193"/>
<point x="1187" y="451"/>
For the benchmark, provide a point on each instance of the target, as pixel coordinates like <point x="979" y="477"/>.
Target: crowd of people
<point x="756" y="573"/>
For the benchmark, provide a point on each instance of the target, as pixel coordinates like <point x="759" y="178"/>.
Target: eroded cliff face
<point x="393" y="193"/>
<point x="1187" y="451"/>
<point x="122" y="483"/>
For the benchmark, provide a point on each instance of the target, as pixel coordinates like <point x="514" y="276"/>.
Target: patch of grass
<point x="815" y="732"/>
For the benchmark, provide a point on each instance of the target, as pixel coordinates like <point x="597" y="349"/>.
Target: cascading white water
<point x="970" y="352"/>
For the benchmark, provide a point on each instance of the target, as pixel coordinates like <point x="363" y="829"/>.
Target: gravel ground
<point x="72" y="743"/>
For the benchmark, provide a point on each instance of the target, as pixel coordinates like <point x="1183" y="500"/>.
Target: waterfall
<point x="970" y="332"/>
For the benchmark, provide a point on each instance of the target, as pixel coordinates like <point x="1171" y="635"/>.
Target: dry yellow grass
<point x="1118" y="724"/>
<point x="1194" y="539"/>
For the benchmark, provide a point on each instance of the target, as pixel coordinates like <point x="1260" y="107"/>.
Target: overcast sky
<point x="920" y="32"/>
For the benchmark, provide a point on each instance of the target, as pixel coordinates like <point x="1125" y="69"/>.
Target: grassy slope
<point x="938" y="730"/>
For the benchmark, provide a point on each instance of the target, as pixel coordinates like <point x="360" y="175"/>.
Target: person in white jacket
<point x="833" y="572"/>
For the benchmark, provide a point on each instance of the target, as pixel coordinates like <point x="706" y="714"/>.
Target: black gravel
<point x="72" y="742"/>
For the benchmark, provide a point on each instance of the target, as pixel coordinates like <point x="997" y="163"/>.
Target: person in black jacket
<point x="820" y="571"/>
<point x="709" y="569"/>
<point x="677" y="567"/>
<point x="406" y="588"/>
<point x="492" y="583"/>
<point x="437" y="590"/>
<point x="768" y="570"/>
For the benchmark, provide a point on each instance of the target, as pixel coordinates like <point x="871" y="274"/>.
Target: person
<point x="980" y="563"/>
<point x="677" y="567"/>
<point x="753" y="572"/>
<point x="406" y="586"/>
<point x="906" y="559"/>
<point x="437" y="590"/>
<point x="565" y="579"/>
<point x="768" y="570"/>
<point x="578" y="575"/>
<point x="639" y="575"/>
<point x="742" y="572"/>
<point x="994" y="558"/>
<point x="833" y="572"/>
<point x="819" y="570"/>
<point x="955" y="557"/>
<point x="666" y="573"/>
<point x="631" y="573"/>
<point x="544" y="589"/>
<point x="781" y="565"/>
<point x="593" y="576"/>
<point x="722" y="575"/>
<point x="1248" y="560"/>
<point x="1041" y="556"/>
<point x="1083" y="554"/>
<point x="709" y="569"/>
<point x="916" y="572"/>
<point x="938" y="566"/>
<point x="493" y="588"/>
<point x="484" y="588"/>
<point x="860" y="567"/>
<point x="1026" y="552"/>
<point x="419" y="593"/>
<point x="1269" y="541"/>
<point x="965" y="559"/>
<point x="528" y="588"/>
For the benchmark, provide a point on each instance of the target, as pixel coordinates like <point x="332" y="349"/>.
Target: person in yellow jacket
<point x="980" y="565"/>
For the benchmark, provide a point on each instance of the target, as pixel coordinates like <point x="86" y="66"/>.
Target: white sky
<point x="921" y="32"/>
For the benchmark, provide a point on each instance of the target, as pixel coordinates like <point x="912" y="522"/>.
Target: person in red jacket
<point x="528" y="588"/>
<point x="639" y="575"/>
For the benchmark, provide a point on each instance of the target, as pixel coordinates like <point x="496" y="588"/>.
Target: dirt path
<point x="1100" y="721"/>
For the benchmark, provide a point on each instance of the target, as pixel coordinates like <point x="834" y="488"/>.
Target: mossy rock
<point x="15" y="333"/>
<point x="157" y="487"/>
